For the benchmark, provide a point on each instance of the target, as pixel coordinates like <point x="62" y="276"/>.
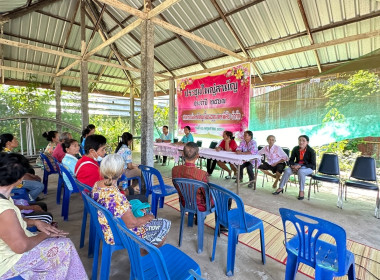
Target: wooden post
<point x="132" y="110"/>
<point x="172" y="107"/>
<point x="2" y="72"/>
<point x="83" y="68"/>
<point x="147" y="92"/>
<point x="58" y="107"/>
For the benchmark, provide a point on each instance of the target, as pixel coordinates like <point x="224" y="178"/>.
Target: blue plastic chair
<point x="85" y="188"/>
<point x="20" y="193"/>
<point x="189" y="188"/>
<point x="46" y="162"/>
<point x="107" y="249"/>
<point x="16" y="278"/>
<point x="166" y="262"/>
<point x="81" y="149"/>
<point x="328" y="171"/>
<point x="66" y="191"/>
<point x="158" y="191"/>
<point x="237" y="220"/>
<point x="364" y="173"/>
<point x="60" y="181"/>
<point x="129" y="180"/>
<point x="306" y="247"/>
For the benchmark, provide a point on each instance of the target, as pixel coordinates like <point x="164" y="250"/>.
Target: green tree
<point x="358" y="88"/>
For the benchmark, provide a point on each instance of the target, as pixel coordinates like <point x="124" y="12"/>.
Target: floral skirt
<point x="154" y="231"/>
<point x="53" y="258"/>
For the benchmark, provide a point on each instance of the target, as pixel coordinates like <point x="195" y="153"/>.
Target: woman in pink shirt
<point x="275" y="159"/>
<point x="227" y="144"/>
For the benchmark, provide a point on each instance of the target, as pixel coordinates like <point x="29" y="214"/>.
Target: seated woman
<point x="275" y="159"/>
<point x="71" y="149"/>
<point x="87" y="131"/>
<point x="302" y="162"/>
<point x="87" y="168"/>
<point x="131" y="170"/>
<point x="228" y="144"/>
<point x="53" y="138"/>
<point x="108" y="195"/>
<point x="188" y="137"/>
<point x="45" y="255"/>
<point x="248" y="146"/>
<point x="58" y="152"/>
<point x="32" y="183"/>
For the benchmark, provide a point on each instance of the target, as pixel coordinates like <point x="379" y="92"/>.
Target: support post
<point x="58" y="107"/>
<point x="172" y="107"/>
<point x="132" y="110"/>
<point x="2" y="72"/>
<point x="147" y="92"/>
<point x="83" y="68"/>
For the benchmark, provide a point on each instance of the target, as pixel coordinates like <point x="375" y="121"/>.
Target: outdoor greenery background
<point x="340" y="110"/>
<point x="31" y="100"/>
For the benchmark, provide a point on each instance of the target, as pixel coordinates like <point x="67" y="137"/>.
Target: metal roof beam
<point x="233" y="32"/>
<point x="321" y="45"/>
<point x="307" y="26"/>
<point x="36" y="48"/>
<point x="206" y="23"/>
<point x="186" y="46"/>
<point x="118" y="35"/>
<point x="46" y="43"/>
<point x="95" y="16"/>
<point x="100" y="73"/>
<point x="26" y="10"/>
<point x="126" y="8"/>
<point x="135" y="39"/>
<point x="160" y="8"/>
<point x="196" y="38"/>
<point x="67" y="35"/>
<point x="67" y="88"/>
<point x="53" y="66"/>
<point x="76" y="57"/>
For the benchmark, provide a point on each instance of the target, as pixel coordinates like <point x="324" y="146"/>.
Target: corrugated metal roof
<point x="272" y="25"/>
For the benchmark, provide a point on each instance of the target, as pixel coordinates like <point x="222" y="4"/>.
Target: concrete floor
<point x="357" y="218"/>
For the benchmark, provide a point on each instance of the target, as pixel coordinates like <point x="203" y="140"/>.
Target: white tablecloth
<point x="230" y="157"/>
<point x="168" y="149"/>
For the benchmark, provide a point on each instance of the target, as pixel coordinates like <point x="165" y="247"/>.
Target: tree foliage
<point x="358" y="88"/>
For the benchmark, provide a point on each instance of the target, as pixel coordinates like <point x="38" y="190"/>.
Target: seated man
<point x="275" y="159"/>
<point x="87" y="168"/>
<point x="165" y="137"/>
<point x="190" y="171"/>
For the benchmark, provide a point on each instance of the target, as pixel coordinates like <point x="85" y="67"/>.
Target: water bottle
<point x="125" y="185"/>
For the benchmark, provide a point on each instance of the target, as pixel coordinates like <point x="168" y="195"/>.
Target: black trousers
<point x="164" y="158"/>
<point x="249" y="167"/>
<point x="211" y="163"/>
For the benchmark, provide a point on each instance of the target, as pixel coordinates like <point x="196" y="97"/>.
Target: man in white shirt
<point x="165" y="137"/>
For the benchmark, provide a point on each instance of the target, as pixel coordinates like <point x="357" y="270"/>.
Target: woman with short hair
<point x="247" y="147"/>
<point x="106" y="193"/>
<point x="275" y="159"/>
